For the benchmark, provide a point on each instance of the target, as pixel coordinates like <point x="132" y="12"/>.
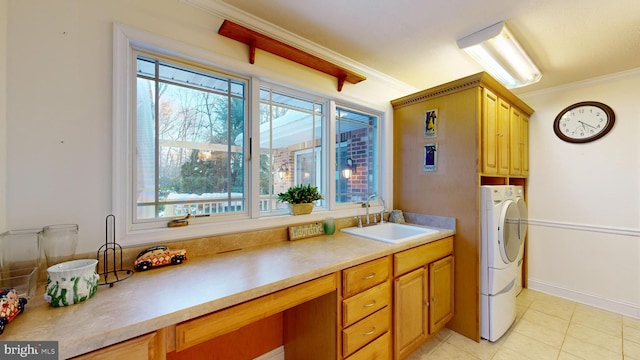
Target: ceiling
<point x="414" y="41"/>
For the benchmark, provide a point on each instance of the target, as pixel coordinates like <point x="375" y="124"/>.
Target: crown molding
<point x="582" y="83"/>
<point x="225" y="11"/>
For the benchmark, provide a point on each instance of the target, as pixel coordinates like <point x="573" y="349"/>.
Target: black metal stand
<point x="110" y="277"/>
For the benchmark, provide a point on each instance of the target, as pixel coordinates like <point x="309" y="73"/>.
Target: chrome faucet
<point x="367" y="205"/>
<point x="384" y="207"/>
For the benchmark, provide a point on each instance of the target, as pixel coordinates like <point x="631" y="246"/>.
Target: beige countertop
<point x="165" y="296"/>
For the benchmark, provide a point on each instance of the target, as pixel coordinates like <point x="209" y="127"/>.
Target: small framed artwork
<point x="431" y="123"/>
<point x="430" y="158"/>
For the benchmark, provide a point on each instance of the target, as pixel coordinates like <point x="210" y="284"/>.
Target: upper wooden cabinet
<point x="519" y="143"/>
<point x="503" y="140"/>
<point x="494" y="134"/>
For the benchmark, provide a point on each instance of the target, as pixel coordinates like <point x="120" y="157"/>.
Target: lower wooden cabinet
<point x="379" y="349"/>
<point x="410" y="327"/>
<point x="366" y="311"/>
<point x="146" y="347"/>
<point x="441" y="293"/>
<point x="423" y="296"/>
<point x="382" y="309"/>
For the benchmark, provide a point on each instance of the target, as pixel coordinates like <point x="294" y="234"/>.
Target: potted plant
<point x="300" y="198"/>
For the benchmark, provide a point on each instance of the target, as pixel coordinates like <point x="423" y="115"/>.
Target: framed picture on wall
<point x="431" y="123"/>
<point x="430" y="158"/>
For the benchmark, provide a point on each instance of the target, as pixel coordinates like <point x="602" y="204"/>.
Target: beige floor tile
<point x="447" y="351"/>
<point x="547" y="335"/>
<point x="444" y="334"/>
<point x="602" y="320"/>
<point x="546" y="328"/>
<point x="566" y="356"/>
<point x="631" y="333"/>
<point x="587" y="350"/>
<point x="546" y="320"/>
<point x="505" y="353"/>
<point x="520" y="310"/>
<point x="526" y="297"/>
<point x="557" y="307"/>
<point x="425" y="350"/>
<point x="483" y="350"/>
<point x="631" y="350"/>
<point x="595" y="337"/>
<point x="530" y="347"/>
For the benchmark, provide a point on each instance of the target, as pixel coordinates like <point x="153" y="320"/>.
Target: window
<point x="189" y="136"/>
<point x="356" y="155"/>
<point x="291" y="129"/>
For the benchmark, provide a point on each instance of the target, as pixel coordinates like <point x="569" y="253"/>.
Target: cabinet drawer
<point x="199" y="330"/>
<point x="364" y="276"/>
<point x="419" y="256"/>
<point x="379" y="349"/>
<point x="150" y="346"/>
<point x="365" y="303"/>
<point x="364" y="331"/>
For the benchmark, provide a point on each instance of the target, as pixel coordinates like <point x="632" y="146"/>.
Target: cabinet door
<point x="489" y="129"/>
<point x="504" y="114"/>
<point x="441" y="293"/>
<point x="524" y="133"/>
<point x="515" y="142"/>
<point x="410" y="311"/>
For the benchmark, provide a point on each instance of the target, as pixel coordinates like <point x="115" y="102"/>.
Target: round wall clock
<point x="584" y="122"/>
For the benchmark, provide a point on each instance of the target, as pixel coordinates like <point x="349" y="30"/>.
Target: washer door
<point x="524" y="215"/>
<point x="509" y="239"/>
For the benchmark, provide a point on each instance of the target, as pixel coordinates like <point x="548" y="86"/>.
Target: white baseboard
<point x="275" y="354"/>
<point x="626" y="309"/>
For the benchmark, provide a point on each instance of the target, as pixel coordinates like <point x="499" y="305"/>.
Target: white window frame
<point x="125" y="40"/>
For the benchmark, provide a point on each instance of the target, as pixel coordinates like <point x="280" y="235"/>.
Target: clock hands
<point x="584" y="123"/>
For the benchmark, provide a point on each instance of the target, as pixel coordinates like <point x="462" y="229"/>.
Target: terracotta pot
<point x="301" y="209"/>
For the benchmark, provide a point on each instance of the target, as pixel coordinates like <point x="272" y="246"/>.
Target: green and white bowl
<point x="71" y="282"/>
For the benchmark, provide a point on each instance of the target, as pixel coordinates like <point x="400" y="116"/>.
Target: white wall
<point x="584" y="199"/>
<point x="3" y="115"/>
<point x="59" y="81"/>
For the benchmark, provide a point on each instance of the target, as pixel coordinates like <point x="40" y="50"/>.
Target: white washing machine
<point x="524" y="215"/>
<point x="501" y="245"/>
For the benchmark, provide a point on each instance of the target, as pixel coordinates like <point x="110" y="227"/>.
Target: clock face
<point x="584" y="122"/>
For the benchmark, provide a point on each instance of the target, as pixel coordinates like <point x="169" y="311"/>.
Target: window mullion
<point x="330" y="145"/>
<point x="157" y="139"/>
<point x="253" y="134"/>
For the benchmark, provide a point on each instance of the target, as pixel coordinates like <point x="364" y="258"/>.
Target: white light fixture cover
<point x="501" y="55"/>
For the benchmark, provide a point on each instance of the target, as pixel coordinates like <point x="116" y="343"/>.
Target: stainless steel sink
<point x="390" y="232"/>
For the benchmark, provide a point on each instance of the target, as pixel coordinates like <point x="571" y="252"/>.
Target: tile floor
<point x="546" y="327"/>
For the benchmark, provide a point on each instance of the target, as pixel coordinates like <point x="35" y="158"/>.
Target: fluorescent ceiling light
<point x="501" y="55"/>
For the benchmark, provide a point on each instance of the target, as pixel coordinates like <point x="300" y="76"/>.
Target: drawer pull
<point x="369" y="276"/>
<point x="369" y="332"/>
<point x="369" y="304"/>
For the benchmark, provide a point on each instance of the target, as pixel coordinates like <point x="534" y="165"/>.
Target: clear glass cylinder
<point x="59" y="242"/>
